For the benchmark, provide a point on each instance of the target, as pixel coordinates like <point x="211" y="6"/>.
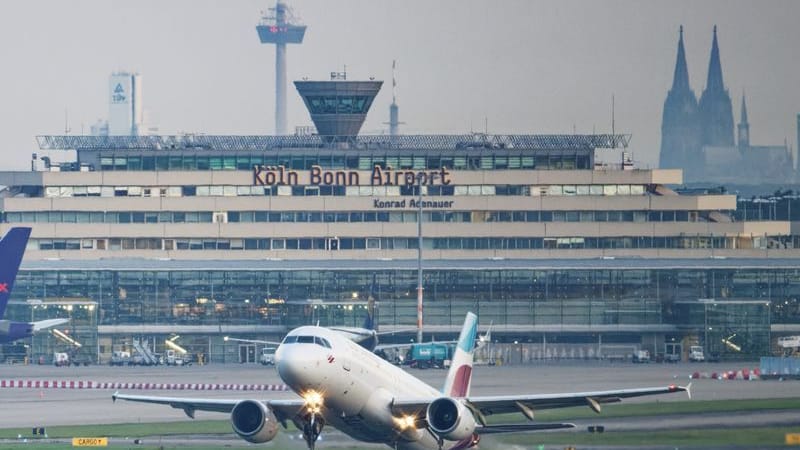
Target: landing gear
<point x="312" y="422"/>
<point x="312" y="427"/>
<point x="439" y="439"/>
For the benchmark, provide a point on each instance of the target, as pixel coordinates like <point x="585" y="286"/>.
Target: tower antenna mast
<point x="280" y="28"/>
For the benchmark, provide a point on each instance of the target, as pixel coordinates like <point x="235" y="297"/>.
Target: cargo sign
<point x="380" y="176"/>
<point x="89" y="442"/>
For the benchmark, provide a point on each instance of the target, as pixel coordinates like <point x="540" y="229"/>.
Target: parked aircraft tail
<point x="460" y="375"/>
<point x="12" y="248"/>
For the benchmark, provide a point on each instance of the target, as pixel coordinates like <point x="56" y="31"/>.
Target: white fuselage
<point x="357" y="386"/>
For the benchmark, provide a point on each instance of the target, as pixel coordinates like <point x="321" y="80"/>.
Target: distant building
<point x="698" y="137"/>
<point x="762" y="164"/>
<point x="125" y="116"/>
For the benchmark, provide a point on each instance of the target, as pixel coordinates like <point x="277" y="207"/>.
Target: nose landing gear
<point x="312" y="427"/>
<point x="312" y="422"/>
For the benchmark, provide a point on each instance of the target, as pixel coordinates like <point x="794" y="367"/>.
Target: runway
<point x="65" y="406"/>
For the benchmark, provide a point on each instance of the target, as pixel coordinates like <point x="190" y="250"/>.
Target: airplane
<point x="12" y="248"/>
<point x="346" y="386"/>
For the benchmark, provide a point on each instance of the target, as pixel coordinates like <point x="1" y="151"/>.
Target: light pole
<point x="419" y="257"/>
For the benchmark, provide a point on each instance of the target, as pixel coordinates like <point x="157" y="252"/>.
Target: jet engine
<point x="450" y="419"/>
<point x="254" y="422"/>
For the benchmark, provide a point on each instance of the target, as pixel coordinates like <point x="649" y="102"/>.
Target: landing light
<point x="405" y="422"/>
<point x="313" y="401"/>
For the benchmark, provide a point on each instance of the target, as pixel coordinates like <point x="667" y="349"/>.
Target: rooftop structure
<point x="338" y="107"/>
<point x="394" y="110"/>
<point x="454" y="142"/>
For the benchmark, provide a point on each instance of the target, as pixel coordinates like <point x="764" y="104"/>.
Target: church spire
<point x="716" y="111"/>
<point x="744" y="110"/>
<point x="744" y="126"/>
<point x="714" y="83"/>
<point x="680" y="132"/>
<point x="680" y="80"/>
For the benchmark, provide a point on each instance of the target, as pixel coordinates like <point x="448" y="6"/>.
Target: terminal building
<point x="194" y="238"/>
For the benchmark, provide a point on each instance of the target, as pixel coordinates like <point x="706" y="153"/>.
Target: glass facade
<point x="716" y="304"/>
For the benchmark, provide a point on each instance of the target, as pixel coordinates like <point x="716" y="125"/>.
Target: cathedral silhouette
<point x="698" y="137"/>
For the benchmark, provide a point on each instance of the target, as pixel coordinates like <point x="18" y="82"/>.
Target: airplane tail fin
<point x="12" y="248"/>
<point x="460" y="375"/>
<point x="369" y="317"/>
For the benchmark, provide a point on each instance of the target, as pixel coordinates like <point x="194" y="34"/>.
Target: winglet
<point x="12" y="248"/>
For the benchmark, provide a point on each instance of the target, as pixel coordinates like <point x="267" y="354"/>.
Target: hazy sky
<point x="524" y="66"/>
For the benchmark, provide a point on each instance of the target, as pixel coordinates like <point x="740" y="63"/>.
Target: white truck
<point x="267" y="356"/>
<point x="696" y="354"/>
<point x="641" y="356"/>
<point x="174" y="358"/>
<point x="789" y="345"/>
<point x="60" y="359"/>
<point x="120" y="358"/>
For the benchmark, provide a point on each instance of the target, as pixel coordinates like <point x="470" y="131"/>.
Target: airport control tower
<point x="280" y="28"/>
<point x="338" y="107"/>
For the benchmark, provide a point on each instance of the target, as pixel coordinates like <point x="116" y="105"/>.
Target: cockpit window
<point x="322" y="342"/>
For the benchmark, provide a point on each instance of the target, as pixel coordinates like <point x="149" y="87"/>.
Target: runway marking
<point x="83" y="384"/>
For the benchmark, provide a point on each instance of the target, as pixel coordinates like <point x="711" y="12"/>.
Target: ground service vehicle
<point x="429" y="355"/>
<point x="641" y="356"/>
<point x="120" y="358"/>
<point x="696" y="354"/>
<point x="267" y="356"/>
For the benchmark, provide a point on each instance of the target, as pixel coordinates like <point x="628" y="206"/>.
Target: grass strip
<point x="717" y="437"/>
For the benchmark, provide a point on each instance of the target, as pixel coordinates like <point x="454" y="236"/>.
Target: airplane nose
<point x="297" y="366"/>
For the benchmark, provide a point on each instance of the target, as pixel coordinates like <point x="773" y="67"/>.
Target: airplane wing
<point x="283" y="409"/>
<point x="49" y="323"/>
<point x="527" y="404"/>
